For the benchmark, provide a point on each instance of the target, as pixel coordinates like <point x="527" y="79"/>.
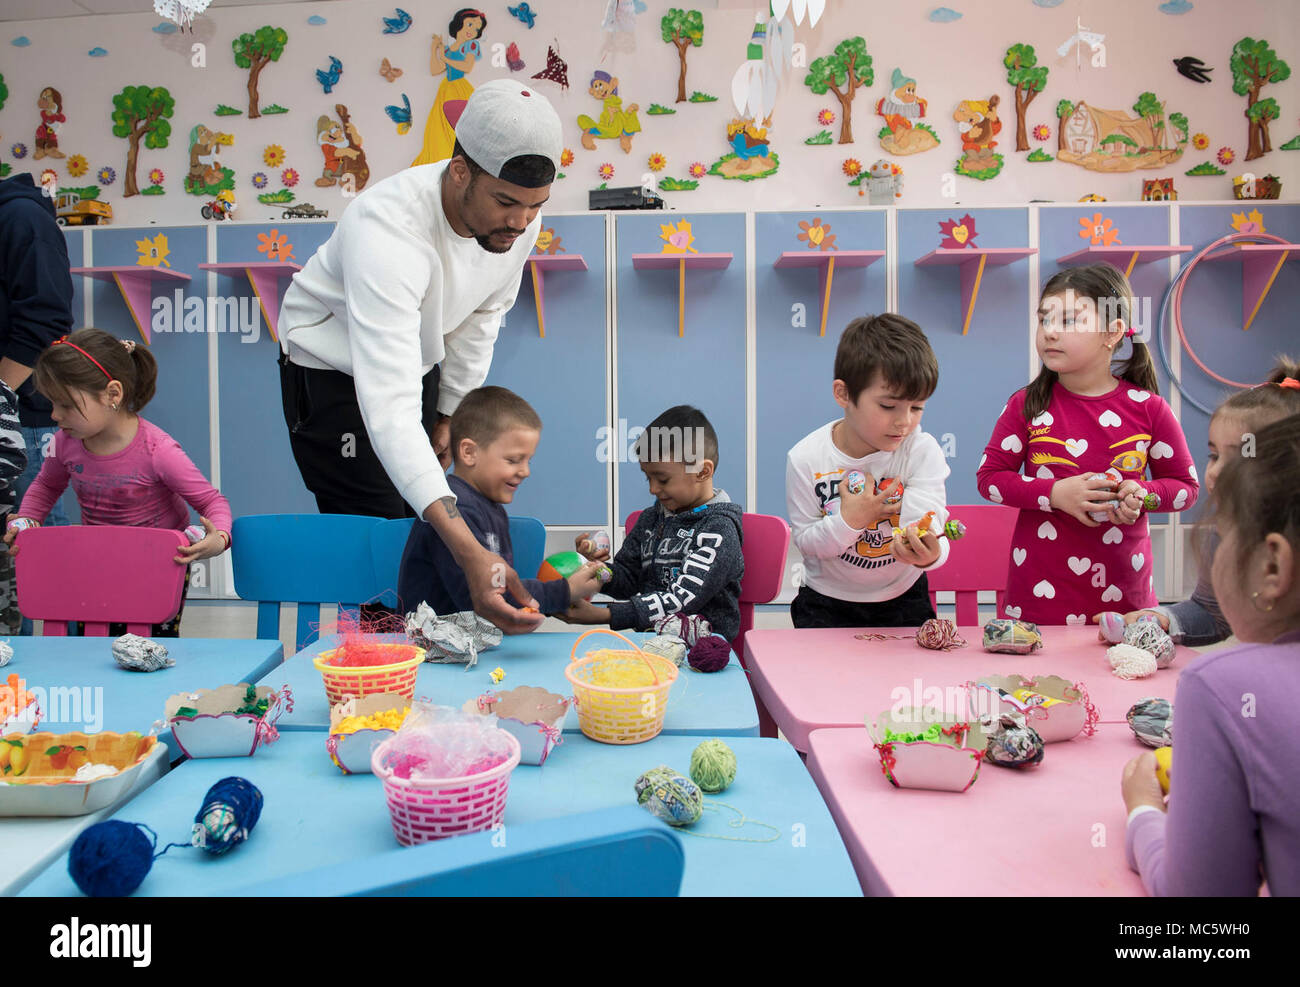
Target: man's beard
<point x="485" y="239"/>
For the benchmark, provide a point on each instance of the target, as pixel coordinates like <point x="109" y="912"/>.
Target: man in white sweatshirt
<point x="393" y="320"/>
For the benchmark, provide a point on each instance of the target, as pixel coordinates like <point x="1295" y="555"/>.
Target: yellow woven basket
<point x="621" y="695"/>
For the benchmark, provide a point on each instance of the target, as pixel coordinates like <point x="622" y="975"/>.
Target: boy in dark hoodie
<point x="35" y="310"/>
<point x="683" y="554"/>
<point x="494" y="433"/>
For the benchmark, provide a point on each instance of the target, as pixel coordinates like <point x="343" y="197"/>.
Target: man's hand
<point x="441" y="438"/>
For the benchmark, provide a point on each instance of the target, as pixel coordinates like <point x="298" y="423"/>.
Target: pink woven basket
<point x="435" y="808"/>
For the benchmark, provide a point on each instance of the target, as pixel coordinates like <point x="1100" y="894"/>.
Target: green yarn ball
<point x="713" y="766"/>
<point x="668" y="796"/>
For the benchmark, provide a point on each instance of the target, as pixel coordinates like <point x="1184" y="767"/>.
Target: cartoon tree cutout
<point x="1179" y="120"/>
<point x="1254" y="65"/>
<point x="1064" y="110"/>
<point x="850" y="67"/>
<point x="4" y="91"/>
<point x="141" y="112"/>
<point x="682" y="28"/>
<point x="1029" y="78"/>
<point x="253" y="52"/>
<point x="1152" y="111"/>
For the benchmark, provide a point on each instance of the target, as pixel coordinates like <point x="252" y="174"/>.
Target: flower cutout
<point x="273" y="155"/>
<point x="1226" y="155"/>
<point x="817" y="234"/>
<point x="19" y="150"/>
<point x="275" y="245"/>
<point x="78" y="165"/>
<point x="656" y="162"/>
<point x="1252" y="222"/>
<point x="1098" y="230"/>
<point x="107" y="176"/>
<point x="156" y="176"/>
<point x="852" y="167"/>
<point x="1200" y="141"/>
<point x="677" y="239"/>
<point x="259" y="179"/>
<point x="1042" y="132"/>
<point x="958" y="233"/>
<point x="826" y="117"/>
<point x="698" y="169"/>
<point x="289" y="177"/>
<point x="606" y="171"/>
<point x="566" y="158"/>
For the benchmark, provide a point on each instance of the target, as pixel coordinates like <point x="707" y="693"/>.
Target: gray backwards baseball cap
<point x="505" y="121"/>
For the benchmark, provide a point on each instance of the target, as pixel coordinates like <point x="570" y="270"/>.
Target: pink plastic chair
<point x="977" y="562"/>
<point x="99" y="574"/>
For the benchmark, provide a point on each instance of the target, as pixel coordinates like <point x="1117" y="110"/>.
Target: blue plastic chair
<point x="527" y="539"/>
<point x="610" y="853"/>
<point x="307" y="559"/>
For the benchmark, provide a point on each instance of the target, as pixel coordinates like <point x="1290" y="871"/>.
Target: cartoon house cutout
<point x="1091" y="129"/>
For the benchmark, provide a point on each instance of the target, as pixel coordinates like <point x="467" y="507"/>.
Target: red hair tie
<point x="64" y="341"/>
<point x="1290" y="382"/>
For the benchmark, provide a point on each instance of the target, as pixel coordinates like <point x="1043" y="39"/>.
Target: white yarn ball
<point x="1129" y="662"/>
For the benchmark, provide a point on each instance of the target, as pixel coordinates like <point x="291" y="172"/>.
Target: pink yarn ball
<point x="710" y="654"/>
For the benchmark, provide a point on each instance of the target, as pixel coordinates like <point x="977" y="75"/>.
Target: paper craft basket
<point x="619" y="714"/>
<point x="359" y="681"/>
<point x="423" y="810"/>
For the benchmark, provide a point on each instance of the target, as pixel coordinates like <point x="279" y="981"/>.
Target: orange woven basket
<point x="397" y="678"/>
<point x="620" y="714"/>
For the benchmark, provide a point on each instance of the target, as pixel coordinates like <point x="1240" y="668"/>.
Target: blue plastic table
<point x="314" y="817"/>
<point x="718" y="704"/>
<point x="81" y="687"/>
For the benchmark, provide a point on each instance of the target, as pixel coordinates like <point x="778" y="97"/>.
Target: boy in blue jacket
<point x="494" y="434"/>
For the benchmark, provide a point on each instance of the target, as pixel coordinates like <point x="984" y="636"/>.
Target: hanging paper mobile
<point x="180" y="12"/>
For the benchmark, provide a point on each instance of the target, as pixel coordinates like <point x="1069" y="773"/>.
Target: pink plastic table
<point x="1055" y="829"/>
<point x="809" y="679"/>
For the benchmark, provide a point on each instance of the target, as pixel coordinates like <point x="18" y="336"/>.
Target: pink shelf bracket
<point x="538" y="265"/>
<point x="266" y="279"/>
<point x="826" y="262"/>
<point x="972" y="261"/>
<point x="701" y="262"/>
<point x="1123" y="257"/>
<point x="1260" y="264"/>
<point x="136" y="284"/>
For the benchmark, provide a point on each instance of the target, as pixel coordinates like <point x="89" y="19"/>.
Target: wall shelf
<point x="681" y="262"/>
<point x="826" y="262"/>
<point x="972" y="261"/>
<point x="538" y="265"/>
<point x="1260" y="264"/>
<point x="136" y="285"/>
<point x="1125" y="258"/>
<point x="266" y="278"/>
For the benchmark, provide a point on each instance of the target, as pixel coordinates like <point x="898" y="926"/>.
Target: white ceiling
<point x="33" y="10"/>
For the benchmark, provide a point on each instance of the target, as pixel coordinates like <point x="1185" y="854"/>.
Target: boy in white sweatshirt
<point x="857" y="574"/>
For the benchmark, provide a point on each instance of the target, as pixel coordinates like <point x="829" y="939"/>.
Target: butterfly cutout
<point x="557" y="69"/>
<point x="523" y="13"/>
<point x="388" y="72"/>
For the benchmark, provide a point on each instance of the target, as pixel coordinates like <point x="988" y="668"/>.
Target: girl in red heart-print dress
<point x="1081" y="544"/>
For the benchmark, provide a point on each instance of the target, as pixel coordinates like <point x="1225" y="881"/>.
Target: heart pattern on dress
<point x="1076" y="618"/>
<point x="1045" y="589"/>
<point x="1079" y="566"/>
<point x="1113" y="536"/>
<point x="1018" y="555"/>
<point x="1043" y="419"/>
<point x="1047" y="530"/>
<point x="1112" y="594"/>
<point x="1012" y="443"/>
<point x="983" y="459"/>
<point x="1161" y="450"/>
<point x="1013" y="612"/>
<point x="1138" y="561"/>
<point x="1191" y="471"/>
<point x="1108" y="419"/>
<point x="1180" y="500"/>
<point x="1044" y="504"/>
<point x="1139" y="396"/>
<point x="1027" y="479"/>
<point x="1045" y="474"/>
<point x="995" y="494"/>
<point x="1076" y="447"/>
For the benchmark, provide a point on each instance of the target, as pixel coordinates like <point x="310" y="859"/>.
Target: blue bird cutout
<point x="523" y="13"/>
<point x="400" y="115"/>
<point x="330" y="79"/>
<point x="740" y="144"/>
<point x="398" y="24"/>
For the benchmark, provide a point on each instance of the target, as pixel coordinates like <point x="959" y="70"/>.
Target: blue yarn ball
<point x="110" y="859"/>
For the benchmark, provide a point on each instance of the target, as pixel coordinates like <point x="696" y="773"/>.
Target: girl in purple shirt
<point x="1233" y="818"/>
<point x="124" y="470"/>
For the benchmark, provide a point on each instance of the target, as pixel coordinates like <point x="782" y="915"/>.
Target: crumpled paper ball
<point x="1152" y="721"/>
<point x="669" y="796"/>
<point x="667" y="646"/>
<point x="1147" y="634"/>
<point x="689" y="627"/>
<point x="1012" y="742"/>
<point x="455" y="638"/>
<point x="7" y="654"/>
<point x="1012" y="637"/>
<point x="139" y="654"/>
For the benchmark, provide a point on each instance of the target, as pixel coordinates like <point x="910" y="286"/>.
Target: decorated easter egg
<point x="1164" y="758"/>
<point x="855" y="482"/>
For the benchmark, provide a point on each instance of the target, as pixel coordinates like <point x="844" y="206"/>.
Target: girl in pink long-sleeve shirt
<point x="1081" y="544"/>
<point x="124" y="470"/>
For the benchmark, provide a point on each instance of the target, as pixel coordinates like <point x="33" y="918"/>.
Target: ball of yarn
<point x="713" y="766"/>
<point x="690" y="627"/>
<point x="1129" y="662"/>
<point x="939" y="635"/>
<point x="1147" y="634"/>
<point x="667" y="795"/>
<point x="229" y="812"/>
<point x="1152" y="721"/>
<point x="110" y="859"/>
<point x="710" y="654"/>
